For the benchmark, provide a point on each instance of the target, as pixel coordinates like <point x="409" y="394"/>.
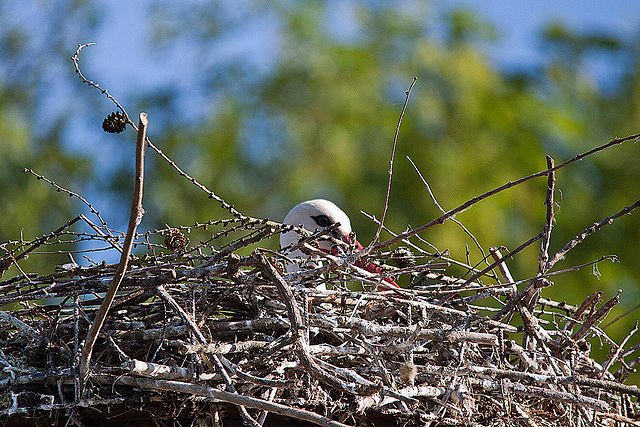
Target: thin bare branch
<point x="599" y="315"/>
<point x="587" y="232"/>
<point x="9" y="259"/>
<point x="23" y="327"/>
<point x="393" y="154"/>
<point x="71" y="194"/>
<point x="236" y="399"/>
<point x="435" y="201"/>
<point x="473" y="201"/>
<point x="616" y="355"/>
<point x="76" y="62"/>
<point x="134" y="219"/>
<point x="549" y="219"/>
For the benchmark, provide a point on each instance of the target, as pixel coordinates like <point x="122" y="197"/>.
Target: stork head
<point x="314" y="215"/>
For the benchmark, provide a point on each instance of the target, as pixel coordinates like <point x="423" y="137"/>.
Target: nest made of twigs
<point x="195" y="337"/>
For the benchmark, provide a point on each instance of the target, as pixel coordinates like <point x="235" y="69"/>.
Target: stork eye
<point x="322" y="220"/>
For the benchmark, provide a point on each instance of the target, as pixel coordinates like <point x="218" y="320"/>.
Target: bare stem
<point x="548" y="223"/>
<point x="134" y="219"/>
<point x="435" y="201"/>
<point x="6" y="262"/>
<point x="393" y="153"/>
<point x="473" y="201"/>
<point x="76" y="63"/>
<point x="71" y="194"/>
<point x="587" y="231"/>
<point x="224" y="396"/>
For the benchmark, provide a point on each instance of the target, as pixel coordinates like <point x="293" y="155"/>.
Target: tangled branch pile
<point x="203" y="335"/>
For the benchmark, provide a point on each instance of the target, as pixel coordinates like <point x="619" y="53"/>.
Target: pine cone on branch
<point x="115" y="122"/>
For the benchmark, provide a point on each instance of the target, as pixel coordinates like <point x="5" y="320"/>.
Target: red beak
<point x="367" y="265"/>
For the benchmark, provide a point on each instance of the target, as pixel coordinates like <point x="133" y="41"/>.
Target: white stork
<point x="314" y="215"/>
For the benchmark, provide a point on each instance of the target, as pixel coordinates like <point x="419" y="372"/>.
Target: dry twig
<point x="134" y="219"/>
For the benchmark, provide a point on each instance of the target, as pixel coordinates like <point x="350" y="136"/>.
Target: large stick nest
<point x="217" y="332"/>
<point x="185" y="325"/>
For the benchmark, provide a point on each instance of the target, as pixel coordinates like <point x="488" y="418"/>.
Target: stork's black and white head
<point x="314" y="215"/>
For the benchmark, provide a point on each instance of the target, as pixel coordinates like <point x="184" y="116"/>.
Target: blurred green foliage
<point x="321" y="122"/>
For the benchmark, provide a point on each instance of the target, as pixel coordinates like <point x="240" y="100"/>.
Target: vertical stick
<point x="393" y="153"/>
<point x="548" y="224"/>
<point x="134" y="219"/>
<point x="503" y="269"/>
<point x="76" y="347"/>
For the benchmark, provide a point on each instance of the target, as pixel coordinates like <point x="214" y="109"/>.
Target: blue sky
<point x="520" y="23"/>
